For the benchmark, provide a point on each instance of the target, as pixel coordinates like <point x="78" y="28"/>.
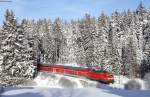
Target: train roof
<point x="72" y="67"/>
<point x="64" y="66"/>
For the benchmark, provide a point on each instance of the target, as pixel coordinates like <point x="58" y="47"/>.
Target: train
<point x="100" y="76"/>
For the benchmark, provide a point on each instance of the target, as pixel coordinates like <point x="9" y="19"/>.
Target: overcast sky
<point x="66" y="9"/>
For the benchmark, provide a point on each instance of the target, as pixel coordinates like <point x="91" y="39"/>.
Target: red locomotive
<point x="101" y="76"/>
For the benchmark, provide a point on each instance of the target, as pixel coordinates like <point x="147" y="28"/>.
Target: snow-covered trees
<point x="48" y="43"/>
<point x="58" y="40"/>
<point x="119" y="43"/>
<point x="87" y="29"/>
<point x="16" y="50"/>
<point x="8" y="36"/>
<point x="25" y="52"/>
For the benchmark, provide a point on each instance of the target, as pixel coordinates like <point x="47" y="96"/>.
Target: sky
<point x="66" y="9"/>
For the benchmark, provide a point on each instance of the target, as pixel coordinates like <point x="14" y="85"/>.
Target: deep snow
<point x="56" y="85"/>
<point x="45" y="79"/>
<point x="52" y="80"/>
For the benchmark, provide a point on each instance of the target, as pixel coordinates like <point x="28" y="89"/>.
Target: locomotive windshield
<point x="100" y="71"/>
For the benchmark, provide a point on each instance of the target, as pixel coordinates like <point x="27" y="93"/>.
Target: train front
<point x="109" y="78"/>
<point x="102" y="76"/>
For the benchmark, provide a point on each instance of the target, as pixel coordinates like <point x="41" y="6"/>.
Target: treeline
<point x="119" y="43"/>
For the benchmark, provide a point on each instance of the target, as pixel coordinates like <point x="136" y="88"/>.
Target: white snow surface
<point x="48" y="85"/>
<point x="71" y="92"/>
<point x="121" y="80"/>
<point x="53" y="81"/>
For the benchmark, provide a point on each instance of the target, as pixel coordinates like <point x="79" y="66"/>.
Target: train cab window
<point x="100" y="71"/>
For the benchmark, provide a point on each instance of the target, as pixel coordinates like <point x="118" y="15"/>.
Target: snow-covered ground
<point x="56" y="80"/>
<point x="56" y="85"/>
<point x="60" y="81"/>
<point x="120" y="81"/>
<point x="72" y="92"/>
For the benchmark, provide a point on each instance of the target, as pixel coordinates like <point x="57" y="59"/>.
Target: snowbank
<point x="120" y="81"/>
<point x="53" y="80"/>
<point x="142" y="83"/>
<point x="60" y="81"/>
<point x="55" y="85"/>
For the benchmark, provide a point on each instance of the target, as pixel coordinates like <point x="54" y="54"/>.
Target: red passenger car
<point x="101" y="76"/>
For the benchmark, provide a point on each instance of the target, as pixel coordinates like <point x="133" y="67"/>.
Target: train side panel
<point x="102" y="77"/>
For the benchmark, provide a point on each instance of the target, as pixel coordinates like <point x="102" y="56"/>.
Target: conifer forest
<point x="118" y="43"/>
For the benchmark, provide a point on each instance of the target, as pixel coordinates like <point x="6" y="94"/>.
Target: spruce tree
<point x="58" y="39"/>
<point x="17" y="58"/>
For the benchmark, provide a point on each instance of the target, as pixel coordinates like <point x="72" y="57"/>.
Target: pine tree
<point x="25" y="53"/>
<point x="79" y="49"/>
<point x="146" y="50"/>
<point x="113" y="48"/>
<point x="87" y="29"/>
<point x="58" y="39"/>
<point x="142" y="12"/>
<point x="17" y="58"/>
<point x="9" y="34"/>
<point x="49" y="43"/>
<point x="101" y="41"/>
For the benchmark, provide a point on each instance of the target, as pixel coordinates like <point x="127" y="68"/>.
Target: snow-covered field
<point x="72" y="92"/>
<point x="55" y="85"/>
